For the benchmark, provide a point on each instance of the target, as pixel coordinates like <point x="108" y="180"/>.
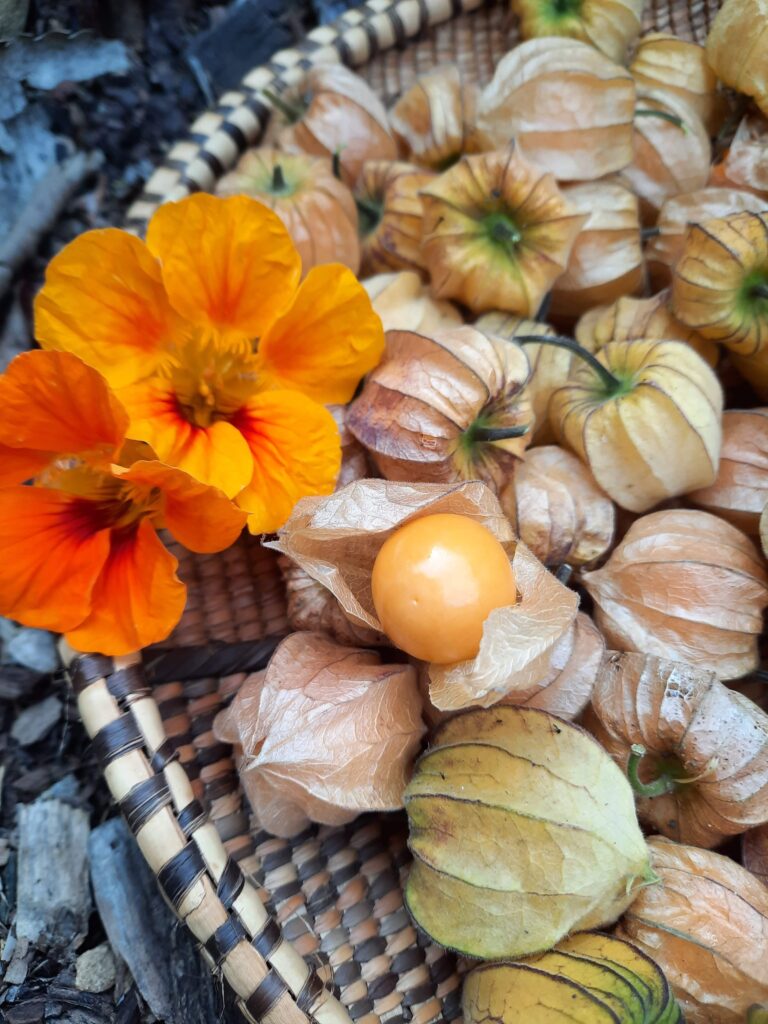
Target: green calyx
<point x="482" y="432"/>
<point x="609" y="384"/>
<point x="753" y="294"/>
<point x="278" y="186"/>
<point x="558" y="10"/>
<point x="502" y="230"/>
<point x="292" y="110"/>
<point x="369" y="214"/>
<point x="669" y="778"/>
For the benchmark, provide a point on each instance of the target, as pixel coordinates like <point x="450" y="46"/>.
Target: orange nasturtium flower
<point x="78" y="550"/>
<point x="223" y="359"/>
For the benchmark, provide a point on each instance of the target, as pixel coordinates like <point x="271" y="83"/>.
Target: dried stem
<point x="613" y="384"/>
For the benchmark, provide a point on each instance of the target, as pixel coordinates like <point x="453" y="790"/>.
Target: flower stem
<point x="490" y="434"/>
<point x="278" y="178"/>
<point x="664" y="115"/>
<point x="613" y="384"/>
<point x="289" y="110"/>
<point x="664" y="783"/>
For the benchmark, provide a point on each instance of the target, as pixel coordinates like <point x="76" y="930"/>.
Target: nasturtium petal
<point x="296" y="452"/>
<point x="20" y="464"/>
<point x="137" y="598"/>
<point x="103" y="300"/>
<point x="227" y="264"/>
<point x="328" y="339"/>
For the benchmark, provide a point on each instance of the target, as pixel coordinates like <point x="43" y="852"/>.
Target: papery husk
<point x="754" y="852"/>
<point x="719" y="256"/>
<point x="686" y="586"/>
<point x="754" y="370"/>
<point x="587" y="137"/>
<point x="418" y="407"/>
<point x="326" y="732"/>
<point x="563" y="689"/>
<point x="658" y="440"/>
<point x="557" y="509"/>
<point x="317" y="209"/>
<point x="608" y="25"/>
<point x="606" y="260"/>
<point x="394" y="242"/>
<point x="344" y="117"/>
<point x="354" y="464"/>
<point x="740" y="491"/>
<point x="745" y="163"/>
<point x="310" y="606"/>
<point x="714" y="737"/>
<point x="737" y="48"/>
<point x="678" y="213"/>
<point x="404" y="303"/>
<point x="541" y="790"/>
<point x="336" y="540"/>
<point x="434" y="120"/>
<point x="589" y="978"/>
<point x="668" y="160"/>
<point x="706" y="926"/>
<point x="678" y="66"/>
<point x="466" y="263"/>
<point x="630" y="319"/>
<point x="763" y="530"/>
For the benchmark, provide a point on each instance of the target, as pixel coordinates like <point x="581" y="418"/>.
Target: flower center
<point x="211" y="381"/>
<point x="105" y="501"/>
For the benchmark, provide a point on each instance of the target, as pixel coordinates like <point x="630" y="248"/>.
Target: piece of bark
<point x="53" y="900"/>
<point x="169" y="972"/>
<point x="36" y="721"/>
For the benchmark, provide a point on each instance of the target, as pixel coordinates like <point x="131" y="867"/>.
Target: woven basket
<point x="311" y="929"/>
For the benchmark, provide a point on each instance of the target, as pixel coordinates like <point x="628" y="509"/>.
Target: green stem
<point x="664" y="115"/>
<point x="653" y="232"/>
<point x="613" y="384"/>
<point x="336" y="163"/>
<point x="664" y="784"/>
<point x="491" y="434"/>
<point x="278" y="178"/>
<point x="505" y="233"/>
<point x="289" y="110"/>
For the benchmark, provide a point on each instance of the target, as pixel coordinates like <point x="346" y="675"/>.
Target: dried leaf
<point x="327" y="733"/>
<point x="522" y="830"/>
<point x="686" y="586"/>
<point x="706" y="925"/>
<point x="405" y="304"/>
<point x="707" y="742"/>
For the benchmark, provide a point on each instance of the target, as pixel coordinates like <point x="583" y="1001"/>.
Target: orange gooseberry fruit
<point x="435" y="581"/>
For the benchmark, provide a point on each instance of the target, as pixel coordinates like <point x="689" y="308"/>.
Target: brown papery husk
<point x="740" y="491"/>
<point x="434" y="120"/>
<point x="565" y="687"/>
<point x="326" y="732"/>
<point x="606" y="260"/>
<point x="745" y="163"/>
<point x="629" y="319"/>
<point x="557" y="509"/>
<point x="737" y="48"/>
<point x="404" y="303"/>
<point x="588" y="137"/>
<point x="706" y="926"/>
<point x="395" y="242"/>
<point x="608" y="25"/>
<point x="310" y="606"/>
<point x="679" y="212"/>
<point x="754" y="852"/>
<point x="667" y="159"/>
<point x="336" y="540"/>
<point x="344" y="116"/>
<point x="717" y="737"/>
<point x="686" y="586"/>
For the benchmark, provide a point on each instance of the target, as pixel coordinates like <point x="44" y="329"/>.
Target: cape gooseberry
<point x="435" y="581"/>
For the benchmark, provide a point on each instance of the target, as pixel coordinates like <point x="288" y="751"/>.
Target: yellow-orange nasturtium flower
<point x="223" y="359"/>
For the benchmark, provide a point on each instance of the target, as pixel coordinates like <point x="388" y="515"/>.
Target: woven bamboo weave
<point x="290" y="924"/>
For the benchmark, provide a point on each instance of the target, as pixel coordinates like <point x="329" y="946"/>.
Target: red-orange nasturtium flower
<point x="222" y="358"/>
<point x="78" y="550"/>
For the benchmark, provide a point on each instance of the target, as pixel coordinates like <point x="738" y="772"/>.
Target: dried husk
<point x="658" y="438"/>
<point x="557" y="509"/>
<point x="497" y="232"/>
<point x="708" y="741"/>
<point x="326" y="732"/>
<point x="630" y="319"/>
<point x="678" y="66"/>
<point x="336" y="540"/>
<point x="589" y="977"/>
<point x="737" y="48"/>
<point x="740" y="491"/>
<point x="391" y="215"/>
<point x="754" y="852"/>
<point x="608" y="25"/>
<point x="343" y="116"/>
<point x="706" y="926"/>
<point x="606" y="260"/>
<point x="310" y="606"/>
<point x="587" y="137"/>
<point x="721" y="280"/>
<point x="317" y="209"/>
<point x="404" y="303"/>
<point x="434" y="120"/>
<point x="763" y="530"/>
<point x="419" y="410"/>
<point x="668" y="159"/>
<point x="678" y="213"/>
<point x="541" y="790"/>
<point x="745" y="163"/>
<point x="686" y="586"/>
